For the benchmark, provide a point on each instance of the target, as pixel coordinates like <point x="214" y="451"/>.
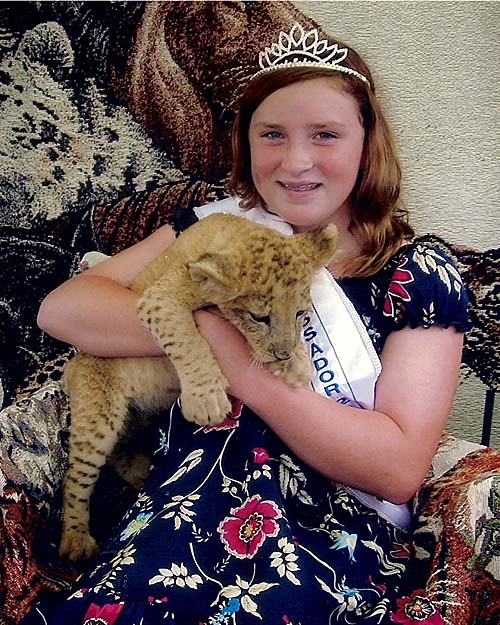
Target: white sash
<point x="259" y="215"/>
<point x="346" y="365"/>
<point x="345" y="369"/>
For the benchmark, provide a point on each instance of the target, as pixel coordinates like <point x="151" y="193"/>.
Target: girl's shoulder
<point x="421" y="286"/>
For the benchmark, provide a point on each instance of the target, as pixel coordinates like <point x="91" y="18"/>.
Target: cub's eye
<point x="300" y="313"/>
<point x="260" y="318"/>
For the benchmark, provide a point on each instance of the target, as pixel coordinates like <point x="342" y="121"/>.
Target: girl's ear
<point x="318" y="245"/>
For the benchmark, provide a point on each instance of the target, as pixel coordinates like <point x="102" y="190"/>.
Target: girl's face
<point x="306" y="144"/>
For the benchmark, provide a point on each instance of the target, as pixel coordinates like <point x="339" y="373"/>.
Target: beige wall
<point x="437" y="70"/>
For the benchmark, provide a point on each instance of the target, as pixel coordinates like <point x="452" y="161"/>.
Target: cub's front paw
<point x="76" y="544"/>
<point x="208" y="405"/>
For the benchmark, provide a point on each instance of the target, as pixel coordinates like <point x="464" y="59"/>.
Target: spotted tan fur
<point x="258" y="278"/>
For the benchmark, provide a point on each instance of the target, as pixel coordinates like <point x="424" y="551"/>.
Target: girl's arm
<point x="96" y="310"/>
<point x="386" y="451"/>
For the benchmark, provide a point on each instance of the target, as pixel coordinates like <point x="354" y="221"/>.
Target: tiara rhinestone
<point x="299" y="48"/>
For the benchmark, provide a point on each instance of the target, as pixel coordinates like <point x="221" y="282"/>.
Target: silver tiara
<point x="299" y="48"/>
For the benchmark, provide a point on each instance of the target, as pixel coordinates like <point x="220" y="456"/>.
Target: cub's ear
<point x="319" y="245"/>
<point x="216" y="277"/>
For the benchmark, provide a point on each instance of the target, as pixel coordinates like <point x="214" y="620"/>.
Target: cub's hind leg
<point x="153" y="387"/>
<point x="97" y="414"/>
<point x="133" y="469"/>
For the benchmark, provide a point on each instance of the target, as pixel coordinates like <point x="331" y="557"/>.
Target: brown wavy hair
<point x="379" y="218"/>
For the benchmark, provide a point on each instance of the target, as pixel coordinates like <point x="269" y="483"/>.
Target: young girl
<point x="295" y="510"/>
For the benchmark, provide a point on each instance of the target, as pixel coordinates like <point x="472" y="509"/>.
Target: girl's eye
<point x="325" y="135"/>
<point x="260" y="318"/>
<point x="272" y="134"/>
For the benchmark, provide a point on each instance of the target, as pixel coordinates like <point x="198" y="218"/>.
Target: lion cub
<point x="258" y="278"/>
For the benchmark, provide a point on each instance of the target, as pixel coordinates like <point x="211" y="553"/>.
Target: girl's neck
<point x="348" y="248"/>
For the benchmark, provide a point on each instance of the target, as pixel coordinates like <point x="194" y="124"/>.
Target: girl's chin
<point x="307" y="227"/>
<point x="299" y="222"/>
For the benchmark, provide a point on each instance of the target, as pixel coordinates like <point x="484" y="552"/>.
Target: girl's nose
<point x="296" y="158"/>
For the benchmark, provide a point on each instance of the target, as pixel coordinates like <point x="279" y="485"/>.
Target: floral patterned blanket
<point x="454" y="577"/>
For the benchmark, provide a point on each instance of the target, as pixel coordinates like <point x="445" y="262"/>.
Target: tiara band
<point x="304" y="49"/>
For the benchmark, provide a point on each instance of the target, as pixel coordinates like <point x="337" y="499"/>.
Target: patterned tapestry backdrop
<point x="111" y="114"/>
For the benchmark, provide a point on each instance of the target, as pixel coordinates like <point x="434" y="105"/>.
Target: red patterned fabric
<point x="457" y="529"/>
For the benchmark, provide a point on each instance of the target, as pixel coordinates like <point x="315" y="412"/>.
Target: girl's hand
<point x="353" y="446"/>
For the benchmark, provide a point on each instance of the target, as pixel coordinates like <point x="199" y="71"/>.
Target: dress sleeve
<point x="425" y="290"/>
<point x="181" y="219"/>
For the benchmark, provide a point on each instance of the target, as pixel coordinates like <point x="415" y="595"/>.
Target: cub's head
<point x="265" y="289"/>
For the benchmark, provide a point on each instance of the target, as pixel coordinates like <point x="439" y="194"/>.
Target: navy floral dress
<point x="232" y="528"/>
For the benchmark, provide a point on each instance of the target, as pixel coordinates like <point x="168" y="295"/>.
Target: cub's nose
<point x="282" y="354"/>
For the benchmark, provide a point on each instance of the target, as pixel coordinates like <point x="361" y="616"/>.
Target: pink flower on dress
<point x="248" y="526"/>
<point x="416" y="608"/>
<point x="105" y="615"/>
<point x="397" y="290"/>
<point x="260" y="455"/>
